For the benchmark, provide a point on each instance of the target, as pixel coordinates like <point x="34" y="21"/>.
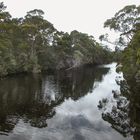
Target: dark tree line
<point x="32" y="44"/>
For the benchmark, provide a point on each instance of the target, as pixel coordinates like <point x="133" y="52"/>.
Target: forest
<point x="32" y="44"/>
<point x="57" y="85"/>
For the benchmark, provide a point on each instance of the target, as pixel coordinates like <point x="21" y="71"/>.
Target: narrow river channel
<point x="66" y="105"/>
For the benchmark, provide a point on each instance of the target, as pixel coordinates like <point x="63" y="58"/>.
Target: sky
<point x="87" y="16"/>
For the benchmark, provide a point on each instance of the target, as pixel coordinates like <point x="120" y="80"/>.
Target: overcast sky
<point x="85" y="16"/>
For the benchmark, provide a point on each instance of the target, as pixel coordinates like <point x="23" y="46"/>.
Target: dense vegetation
<point x="127" y="22"/>
<point x="32" y="44"/>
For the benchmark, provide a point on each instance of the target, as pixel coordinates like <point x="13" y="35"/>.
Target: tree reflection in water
<point x="122" y="109"/>
<point x="34" y="98"/>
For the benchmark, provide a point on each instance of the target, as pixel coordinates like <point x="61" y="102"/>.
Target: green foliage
<point x="32" y="44"/>
<point x="127" y="22"/>
<point x="124" y="20"/>
<point x="131" y="56"/>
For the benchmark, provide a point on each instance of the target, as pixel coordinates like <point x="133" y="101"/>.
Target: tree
<point x="126" y="21"/>
<point x="37" y="32"/>
<point x="4" y="16"/>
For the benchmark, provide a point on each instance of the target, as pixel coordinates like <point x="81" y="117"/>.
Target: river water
<point x="66" y="105"/>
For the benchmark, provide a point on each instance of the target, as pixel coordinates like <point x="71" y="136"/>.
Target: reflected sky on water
<point x="59" y="106"/>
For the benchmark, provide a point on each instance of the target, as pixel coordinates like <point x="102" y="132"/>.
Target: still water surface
<point x="60" y="106"/>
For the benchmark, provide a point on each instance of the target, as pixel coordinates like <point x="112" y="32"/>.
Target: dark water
<point x="69" y="105"/>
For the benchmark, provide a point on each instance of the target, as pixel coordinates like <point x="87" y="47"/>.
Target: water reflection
<point x="33" y="99"/>
<point x="124" y="113"/>
<point x="133" y="96"/>
<point x="81" y="104"/>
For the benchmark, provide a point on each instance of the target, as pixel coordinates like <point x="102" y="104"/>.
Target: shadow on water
<point x="124" y="114"/>
<point x="33" y="98"/>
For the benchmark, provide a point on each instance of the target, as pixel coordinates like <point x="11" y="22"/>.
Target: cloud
<point x="83" y="15"/>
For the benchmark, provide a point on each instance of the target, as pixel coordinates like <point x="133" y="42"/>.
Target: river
<point x="77" y="104"/>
